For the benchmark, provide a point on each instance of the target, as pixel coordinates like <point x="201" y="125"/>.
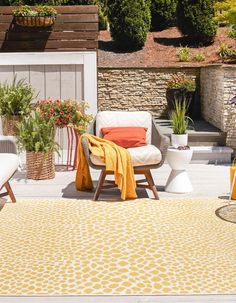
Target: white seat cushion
<point x="8" y="165"/>
<point x="122" y="118"/>
<point x="141" y="156"/>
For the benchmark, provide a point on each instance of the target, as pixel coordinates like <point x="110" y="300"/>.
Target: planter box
<point x="35" y="21"/>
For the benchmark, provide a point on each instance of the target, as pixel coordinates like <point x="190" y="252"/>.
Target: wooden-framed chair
<point x="144" y="158"/>
<point x="9" y="163"/>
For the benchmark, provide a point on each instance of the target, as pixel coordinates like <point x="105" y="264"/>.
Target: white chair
<point x="9" y="162"/>
<point x="144" y="158"/>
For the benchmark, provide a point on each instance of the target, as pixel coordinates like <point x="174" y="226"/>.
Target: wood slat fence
<point x="75" y="29"/>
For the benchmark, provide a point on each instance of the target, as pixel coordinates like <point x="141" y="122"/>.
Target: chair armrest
<point x="162" y="142"/>
<point x="8" y="146"/>
<point x="87" y="153"/>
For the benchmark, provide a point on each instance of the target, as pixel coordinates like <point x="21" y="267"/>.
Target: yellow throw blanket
<point x="117" y="159"/>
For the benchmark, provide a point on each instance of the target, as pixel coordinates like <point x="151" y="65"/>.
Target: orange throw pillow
<point x="130" y="136"/>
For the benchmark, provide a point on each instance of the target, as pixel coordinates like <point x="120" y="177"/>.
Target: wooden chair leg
<point x="100" y="183"/>
<point x="151" y="183"/>
<point x="10" y="192"/>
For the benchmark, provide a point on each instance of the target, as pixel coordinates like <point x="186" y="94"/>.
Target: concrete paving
<point x="207" y="180"/>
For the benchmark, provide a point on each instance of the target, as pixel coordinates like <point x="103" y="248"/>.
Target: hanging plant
<point x="41" y="16"/>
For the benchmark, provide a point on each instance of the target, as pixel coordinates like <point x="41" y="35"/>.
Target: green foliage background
<point x="163" y="14"/>
<point x="129" y="22"/>
<point x="195" y="20"/>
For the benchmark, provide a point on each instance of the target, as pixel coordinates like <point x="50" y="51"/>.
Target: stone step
<point x="212" y="154"/>
<point x="202" y="134"/>
<point x="204" y="139"/>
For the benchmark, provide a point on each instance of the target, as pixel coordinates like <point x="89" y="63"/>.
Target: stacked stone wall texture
<point x="136" y="89"/>
<point x="229" y="109"/>
<point x="145" y="89"/>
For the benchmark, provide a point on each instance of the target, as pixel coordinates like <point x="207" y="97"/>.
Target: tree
<point x="195" y="20"/>
<point x="129" y="22"/>
<point x="163" y="14"/>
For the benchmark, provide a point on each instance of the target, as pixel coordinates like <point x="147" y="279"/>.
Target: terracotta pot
<point x="9" y="125"/>
<point x="40" y="166"/>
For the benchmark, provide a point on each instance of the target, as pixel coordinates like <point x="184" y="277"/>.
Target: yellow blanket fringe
<point x="117" y="159"/>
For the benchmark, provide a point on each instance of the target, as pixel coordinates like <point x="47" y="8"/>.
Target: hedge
<point x="129" y="23"/>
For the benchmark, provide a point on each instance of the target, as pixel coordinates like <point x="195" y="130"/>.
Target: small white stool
<point x="178" y="181"/>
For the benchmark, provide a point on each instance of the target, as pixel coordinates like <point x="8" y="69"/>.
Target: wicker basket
<point x="35" y="21"/>
<point x="9" y="125"/>
<point x="40" y="166"/>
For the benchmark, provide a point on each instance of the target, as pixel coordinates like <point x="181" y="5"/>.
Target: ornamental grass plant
<point x="179" y="119"/>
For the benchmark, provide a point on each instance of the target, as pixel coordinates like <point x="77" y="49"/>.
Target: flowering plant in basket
<point x="27" y="11"/>
<point x="65" y="113"/>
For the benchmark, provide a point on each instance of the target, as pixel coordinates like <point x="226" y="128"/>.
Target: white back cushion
<point x="122" y="118"/>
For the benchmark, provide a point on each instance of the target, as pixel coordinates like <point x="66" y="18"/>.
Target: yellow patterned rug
<point x="142" y="247"/>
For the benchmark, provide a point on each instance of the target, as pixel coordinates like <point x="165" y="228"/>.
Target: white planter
<point x="179" y="140"/>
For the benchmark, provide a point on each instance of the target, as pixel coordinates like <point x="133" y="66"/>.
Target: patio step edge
<point x="212" y="154"/>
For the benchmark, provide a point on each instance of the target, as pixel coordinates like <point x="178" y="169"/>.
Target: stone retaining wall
<point x="145" y="89"/>
<point x="218" y="86"/>
<point x="136" y="89"/>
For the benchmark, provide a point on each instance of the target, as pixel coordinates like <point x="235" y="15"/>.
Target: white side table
<point x="178" y="181"/>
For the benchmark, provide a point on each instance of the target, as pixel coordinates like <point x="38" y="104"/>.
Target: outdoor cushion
<point x="141" y="156"/>
<point x="8" y="165"/>
<point x="122" y="118"/>
<point x="126" y="136"/>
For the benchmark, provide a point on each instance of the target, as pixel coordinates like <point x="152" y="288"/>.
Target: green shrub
<point x="195" y="20"/>
<point x="163" y="14"/>
<point x="199" y="57"/>
<point x="231" y="17"/>
<point x="232" y="32"/>
<point x="225" y="52"/>
<point x="221" y="9"/>
<point x="102" y="12"/>
<point x="129" y="22"/>
<point x="184" y="54"/>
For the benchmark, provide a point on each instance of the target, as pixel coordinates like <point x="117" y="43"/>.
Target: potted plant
<point x="182" y="87"/>
<point x="65" y="113"/>
<point x="41" y="16"/>
<point x="15" y="101"/>
<point x="70" y="114"/>
<point x="179" y="123"/>
<point x="36" y="136"/>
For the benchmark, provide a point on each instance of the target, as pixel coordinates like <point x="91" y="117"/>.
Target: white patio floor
<point x="207" y="181"/>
